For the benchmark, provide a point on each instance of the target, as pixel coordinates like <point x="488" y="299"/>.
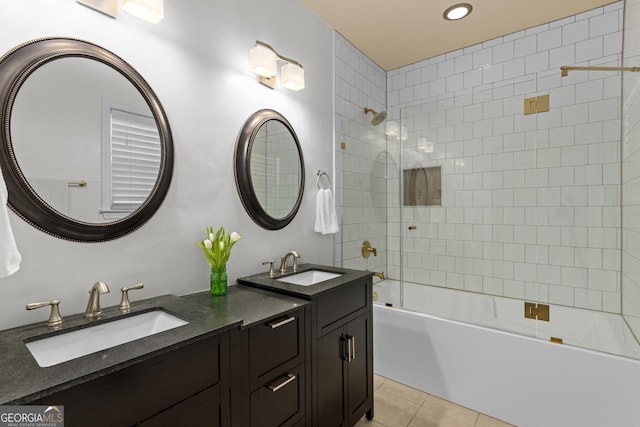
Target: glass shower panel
<point x="363" y="158"/>
<point x="466" y="192"/>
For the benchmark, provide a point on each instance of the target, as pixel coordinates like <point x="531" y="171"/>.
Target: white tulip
<point x="211" y="236"/>
<point x="235" y="237"/>
<point x="221" y="245"/>
<point x="207" y="244"/>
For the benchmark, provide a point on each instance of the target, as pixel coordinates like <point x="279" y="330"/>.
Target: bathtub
<point x="523" y="380"/>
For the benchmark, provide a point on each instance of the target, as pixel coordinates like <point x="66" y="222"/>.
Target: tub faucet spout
<point x="380" y="274"/>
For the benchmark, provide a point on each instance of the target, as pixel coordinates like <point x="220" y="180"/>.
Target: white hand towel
<point x="326" y="221"/>
<point x="10" y="258"/>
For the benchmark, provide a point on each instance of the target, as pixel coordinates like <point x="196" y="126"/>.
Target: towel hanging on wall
<point x="326" y="221"/>
<point x="10" y="258"/>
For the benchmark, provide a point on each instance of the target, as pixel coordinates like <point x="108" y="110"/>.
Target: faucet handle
<point x="54" y="318"/>
<point x="296" y="255"/>
<point x="272" y="272"/>
<point x="124" y="302"/>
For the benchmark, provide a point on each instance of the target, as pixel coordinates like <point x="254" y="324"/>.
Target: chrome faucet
<point x="93" y="306"/>
<point x="285" y="259"/>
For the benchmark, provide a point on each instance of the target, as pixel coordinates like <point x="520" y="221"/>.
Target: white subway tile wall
<point x="526" y="195"/>
<point x="630" y="175"/>
<point x="360" y="175"/>
<point x="530" y="203"/>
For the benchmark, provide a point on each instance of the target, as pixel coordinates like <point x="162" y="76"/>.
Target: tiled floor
<point x="397" y="405"/>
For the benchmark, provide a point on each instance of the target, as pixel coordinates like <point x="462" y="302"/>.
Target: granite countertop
<point x="264" y="281"/>
<point x="24" y="381"/>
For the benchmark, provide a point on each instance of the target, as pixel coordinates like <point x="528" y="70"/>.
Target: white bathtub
<point x="522" y="380"/>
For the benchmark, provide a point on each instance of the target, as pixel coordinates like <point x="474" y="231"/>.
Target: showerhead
<point x="377" y="117"/>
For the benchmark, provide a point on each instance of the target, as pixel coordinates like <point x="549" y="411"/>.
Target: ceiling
<point x="395" y="33"/>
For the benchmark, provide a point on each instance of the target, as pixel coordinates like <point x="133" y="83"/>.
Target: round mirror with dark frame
<point x="269" y="169"/>
<point x="85" y="146"/>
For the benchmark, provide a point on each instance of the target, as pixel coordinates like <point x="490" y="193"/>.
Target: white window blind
<point x="134" y="160"/>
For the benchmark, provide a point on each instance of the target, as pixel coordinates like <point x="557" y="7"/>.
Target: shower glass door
<point x="361" y="162"/>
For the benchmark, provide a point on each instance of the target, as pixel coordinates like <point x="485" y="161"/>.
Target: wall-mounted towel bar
<point x="81" y="183"/>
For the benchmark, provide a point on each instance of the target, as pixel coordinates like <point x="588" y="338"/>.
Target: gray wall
<point x="196" y="60"/>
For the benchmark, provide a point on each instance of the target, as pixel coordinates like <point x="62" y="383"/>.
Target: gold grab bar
<point x="565" y="69"/>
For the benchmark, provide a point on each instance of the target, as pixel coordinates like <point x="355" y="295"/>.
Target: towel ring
<point x="320" y="174"/>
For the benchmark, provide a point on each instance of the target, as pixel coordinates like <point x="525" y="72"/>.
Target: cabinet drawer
<point x="341" y="302"/>
<point x="139" y="391"/>
<point x="201" y="409"/>
<point x="275" y="343"/>
<point x="280" y="402"/>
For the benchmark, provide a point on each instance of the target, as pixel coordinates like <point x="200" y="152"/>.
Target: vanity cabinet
<point x="343" y="385"/>
<point x="185" y="386"/>
<point x="275" y="385"/>
<point x="344" y="355"/>
<point x="341" y="344"/>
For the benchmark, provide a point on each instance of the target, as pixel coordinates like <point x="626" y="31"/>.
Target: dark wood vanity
<point x="341" y="343"/>
<point x="268" y="354"/>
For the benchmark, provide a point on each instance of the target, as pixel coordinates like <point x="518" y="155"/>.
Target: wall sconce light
<point x="263" y="60"/>
<point x="147" y="10"/>
<point x="108" y="7"/>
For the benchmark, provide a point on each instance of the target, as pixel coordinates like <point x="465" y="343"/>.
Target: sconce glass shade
<point x="263" y="61"/>
<point x="292" y="76"/>
<point x="147" y="10"/>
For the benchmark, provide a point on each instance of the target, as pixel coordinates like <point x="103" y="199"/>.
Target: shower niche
<point x="422" y="186"/>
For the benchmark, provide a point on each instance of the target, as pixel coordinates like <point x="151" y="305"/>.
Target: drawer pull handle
<point x="288" y="379"/>
<point x="276" y="324"/>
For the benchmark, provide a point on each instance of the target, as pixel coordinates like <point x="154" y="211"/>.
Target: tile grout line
<point x="416" y="413"/>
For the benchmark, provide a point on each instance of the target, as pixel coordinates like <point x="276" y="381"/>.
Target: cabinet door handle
<point x="289" y="378"/>
<point x="352" y="350"/>
<point x="277" y="323"/>
<point x="344" y="340"/>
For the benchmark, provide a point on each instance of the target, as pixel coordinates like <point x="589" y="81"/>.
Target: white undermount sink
<point x="71" y="345"/>
<point x="308" y="278"/>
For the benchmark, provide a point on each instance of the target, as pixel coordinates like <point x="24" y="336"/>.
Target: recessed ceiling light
<point x="457" y="11"/>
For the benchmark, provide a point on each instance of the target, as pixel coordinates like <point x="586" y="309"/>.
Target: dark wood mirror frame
<point x="242" y="163"/>
<point x="15" y="67"/>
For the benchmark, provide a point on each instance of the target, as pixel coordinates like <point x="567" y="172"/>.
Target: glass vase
<point x="218" y="281"/>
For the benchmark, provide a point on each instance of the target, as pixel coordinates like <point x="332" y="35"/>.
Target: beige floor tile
<point x="393" y="411"/>
<point x="378" y="381"/>
<point x="364" y="422"/>
<point x="487" y="421"/>
<point x="436" y="412"/>
<point x="398" y="405"/>
<point x="404" y="392"/>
